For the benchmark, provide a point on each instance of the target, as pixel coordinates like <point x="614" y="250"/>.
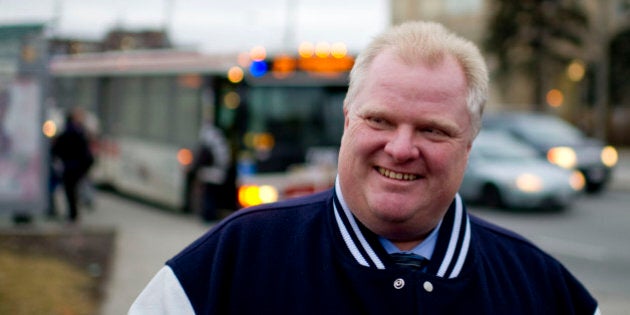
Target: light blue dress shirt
<point x="424" y="249"/>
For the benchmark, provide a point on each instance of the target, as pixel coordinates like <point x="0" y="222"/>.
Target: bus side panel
<point x="148" y="170"/>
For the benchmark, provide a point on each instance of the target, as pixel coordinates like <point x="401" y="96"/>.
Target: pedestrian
<point x="73" y="150"/>
<point x="392" y="236"/>
<point x="54" y="178"/>
<point x="86" y="190"/>
<point x="210" y="169"/>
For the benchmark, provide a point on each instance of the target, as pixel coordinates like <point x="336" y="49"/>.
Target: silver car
<point x="504" y="172"/>
<point x="561" y="144"/>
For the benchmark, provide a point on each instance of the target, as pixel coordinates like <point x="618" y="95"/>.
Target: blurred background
<point x="158" y="80"/>
<point x="573" y="49"/>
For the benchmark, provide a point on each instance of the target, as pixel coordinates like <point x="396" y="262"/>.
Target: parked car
<point x="560" y="143"/>
<point x="504" y="172"/>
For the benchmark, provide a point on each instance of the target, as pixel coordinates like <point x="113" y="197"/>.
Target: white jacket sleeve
<point x="163" y="295"/>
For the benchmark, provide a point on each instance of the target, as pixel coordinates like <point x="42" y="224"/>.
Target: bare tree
<point x="533" y="36"/>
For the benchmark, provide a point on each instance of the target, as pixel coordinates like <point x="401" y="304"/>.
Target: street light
<point x="576" y="70"/>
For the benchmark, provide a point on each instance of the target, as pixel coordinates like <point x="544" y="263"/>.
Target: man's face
<point x="406" y="140"/>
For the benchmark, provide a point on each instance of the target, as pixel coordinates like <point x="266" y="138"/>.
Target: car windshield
<point x="549" y="131"/>
<point x="501" y="147"/>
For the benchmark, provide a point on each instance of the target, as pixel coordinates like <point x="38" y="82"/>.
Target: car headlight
<point x="562" y="156"/>
<point x="577" y="180"/>
<point x="529" y="183"/>
<point x="252" y="195"/>
<point x="609" y="156"/>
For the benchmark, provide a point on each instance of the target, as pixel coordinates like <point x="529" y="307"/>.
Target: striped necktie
<point x="409" y="260"/>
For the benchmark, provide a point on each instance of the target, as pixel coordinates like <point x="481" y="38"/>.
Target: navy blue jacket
<point x="310" y="256"/>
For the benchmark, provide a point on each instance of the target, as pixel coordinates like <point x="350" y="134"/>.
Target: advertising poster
<point x="23" y="176"/>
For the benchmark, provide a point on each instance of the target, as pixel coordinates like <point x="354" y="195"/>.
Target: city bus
<point x="282" y="117"/>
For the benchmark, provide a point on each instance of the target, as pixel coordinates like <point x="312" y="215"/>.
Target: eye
<point x="435" y="132"/>
<point x="377" y="122"/>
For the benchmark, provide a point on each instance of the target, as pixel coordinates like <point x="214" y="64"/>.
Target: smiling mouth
<point x="394" y="175"/>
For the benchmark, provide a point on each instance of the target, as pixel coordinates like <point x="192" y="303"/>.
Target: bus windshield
<point x="295" y="120"/>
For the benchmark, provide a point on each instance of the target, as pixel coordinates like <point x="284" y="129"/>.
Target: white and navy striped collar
<point x="450" y="251"/>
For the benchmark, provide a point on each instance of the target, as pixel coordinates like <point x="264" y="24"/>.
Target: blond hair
<point x="428" y="42"/>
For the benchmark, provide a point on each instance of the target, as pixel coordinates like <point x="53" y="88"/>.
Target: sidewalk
<point x="145" y="239"/>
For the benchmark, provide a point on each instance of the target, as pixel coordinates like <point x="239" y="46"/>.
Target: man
<point x="210" y="168"/>
<point x="412" y="111"/>
<point x="72" y="148"/>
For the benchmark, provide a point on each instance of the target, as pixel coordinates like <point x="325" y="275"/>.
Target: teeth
<point x="394" y="175"/>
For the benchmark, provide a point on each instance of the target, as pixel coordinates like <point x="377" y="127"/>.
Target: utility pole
<point x="53" y="26"/>
<point x="602" y="72"/>
<point x="167" y="18"/>
<point x="290" y="27"/>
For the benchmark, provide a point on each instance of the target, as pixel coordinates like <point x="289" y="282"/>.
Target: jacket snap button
<point x="399" y="283"/>
<point x="428" y="286"/>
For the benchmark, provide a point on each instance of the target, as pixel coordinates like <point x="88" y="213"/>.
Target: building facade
<point x="590" y="90"/>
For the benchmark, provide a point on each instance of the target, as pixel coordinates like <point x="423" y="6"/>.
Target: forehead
<point x="443" y="74"/>
<point x="390" y="78"/>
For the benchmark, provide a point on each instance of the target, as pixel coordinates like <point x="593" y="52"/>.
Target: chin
<point x="391" y="212"/>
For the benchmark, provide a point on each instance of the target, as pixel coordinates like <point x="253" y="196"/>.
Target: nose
<point x="401" y="145"/>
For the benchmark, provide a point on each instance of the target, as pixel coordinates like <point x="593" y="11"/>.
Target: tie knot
<point x="409" y="260"/>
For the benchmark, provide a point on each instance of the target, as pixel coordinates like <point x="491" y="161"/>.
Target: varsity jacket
<point x="311" y="256"/>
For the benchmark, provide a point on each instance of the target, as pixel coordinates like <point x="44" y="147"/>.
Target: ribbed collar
<point x="450" y="251"/>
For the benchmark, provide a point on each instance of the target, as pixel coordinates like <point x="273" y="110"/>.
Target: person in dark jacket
<point x="210" y="168"/>
<point x="72" y="148"/>
<point x="393" y="236"/>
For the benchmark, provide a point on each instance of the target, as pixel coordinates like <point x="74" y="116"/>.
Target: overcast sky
<point x="212" y="25"/>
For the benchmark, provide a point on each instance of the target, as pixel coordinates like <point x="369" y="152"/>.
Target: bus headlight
<point x="252" y="195"/>
<point x="609" y="156"/>
<point x="562" y="156"/>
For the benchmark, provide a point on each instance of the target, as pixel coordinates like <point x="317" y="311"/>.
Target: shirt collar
<point x="424" y="249"/>
<point x="450" y="247"/>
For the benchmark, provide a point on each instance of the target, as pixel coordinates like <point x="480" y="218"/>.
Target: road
<point x="591" y="239"/>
